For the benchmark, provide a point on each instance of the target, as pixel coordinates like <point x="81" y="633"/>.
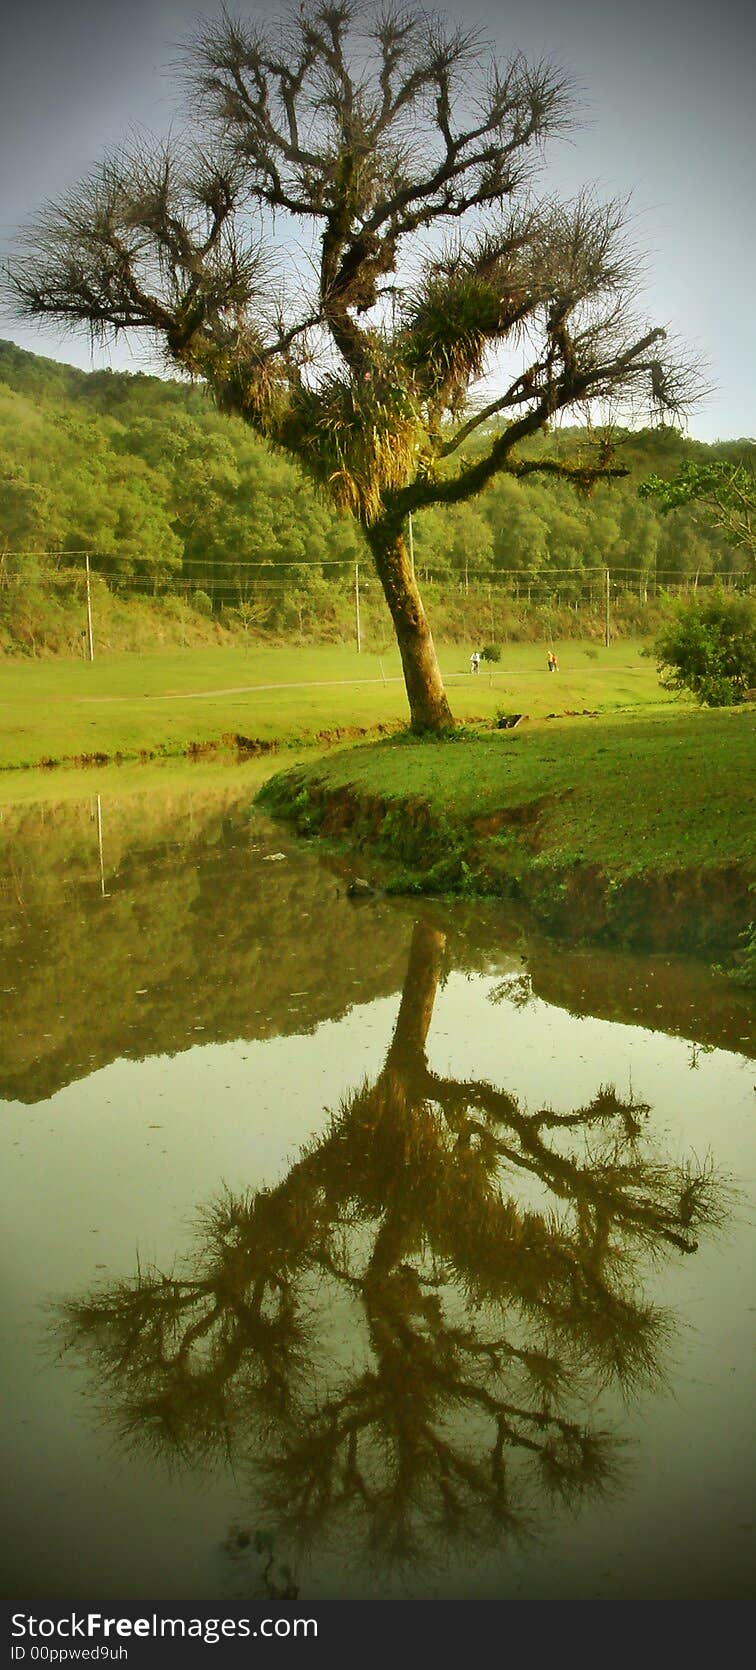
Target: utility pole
<point x="606" y="608"/>
<point x="89" y="612"/>
<point x="357" y="606"/>
<point x="411" y="545"/>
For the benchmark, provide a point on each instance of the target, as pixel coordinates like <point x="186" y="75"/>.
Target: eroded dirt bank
<point x="406" y="847"/>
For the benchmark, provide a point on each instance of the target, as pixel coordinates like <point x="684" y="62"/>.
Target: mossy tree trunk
<point x="429" y="708"/>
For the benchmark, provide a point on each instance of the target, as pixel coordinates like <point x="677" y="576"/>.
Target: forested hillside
<point x="194" y="528"/>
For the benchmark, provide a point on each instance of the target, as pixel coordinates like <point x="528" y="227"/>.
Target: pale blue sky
<point x="667" y="114"/>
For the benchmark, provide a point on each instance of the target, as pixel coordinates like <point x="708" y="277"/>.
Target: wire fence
<point x="333" y="598"/>
<point x="235" y="577"/>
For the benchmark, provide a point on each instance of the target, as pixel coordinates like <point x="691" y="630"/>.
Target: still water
<point x="358" y="1248"/>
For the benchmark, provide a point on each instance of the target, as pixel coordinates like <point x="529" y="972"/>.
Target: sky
<point x="667" y="116"/>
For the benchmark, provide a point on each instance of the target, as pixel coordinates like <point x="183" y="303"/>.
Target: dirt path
<point x="251" y="689"/>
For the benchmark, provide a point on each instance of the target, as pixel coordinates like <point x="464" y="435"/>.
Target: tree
<point x="402" y="154"/>
<point x="709" y="647"/>
<point x="728" y="491"/>
<point x="481" y="1323"/>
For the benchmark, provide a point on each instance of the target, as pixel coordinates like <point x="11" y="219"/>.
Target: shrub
<point x="744" y="971"/>
<point x="708" y="646"/>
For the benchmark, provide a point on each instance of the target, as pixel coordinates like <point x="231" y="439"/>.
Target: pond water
<point x="358" y="1247"/>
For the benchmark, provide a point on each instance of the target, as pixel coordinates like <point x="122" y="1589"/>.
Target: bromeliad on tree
<point x="353" y="257"/>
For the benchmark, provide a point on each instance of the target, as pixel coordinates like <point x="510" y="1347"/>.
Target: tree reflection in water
<point x="388" y="1340"/>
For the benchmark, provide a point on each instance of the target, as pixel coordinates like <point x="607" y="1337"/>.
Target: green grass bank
<point x="626" y="828"/>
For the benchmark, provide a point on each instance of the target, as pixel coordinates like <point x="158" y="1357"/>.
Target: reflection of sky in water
<point x="92" y="1182"/>
<point x="114" y="1168"/>
<point x="237" y="1113"/>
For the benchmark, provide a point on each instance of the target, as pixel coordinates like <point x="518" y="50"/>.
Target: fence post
<point x="89" y="612"/>
<point x="99" y="844"/>
<point x="357" y="606"/>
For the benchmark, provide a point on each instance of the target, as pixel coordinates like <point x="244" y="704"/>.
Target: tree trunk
<point x="429" y="709"/>
<point x="407" y="1049"/>
<point x="397" y="1100"/>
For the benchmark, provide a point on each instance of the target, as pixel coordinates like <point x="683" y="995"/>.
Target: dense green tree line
<point x="168" y="495"/>
<point x="148" y="475"/>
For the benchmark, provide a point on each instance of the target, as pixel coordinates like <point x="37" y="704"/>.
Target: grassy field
<point x="575" y="815"/>
<point x="607" y="777"/>
<point x="165" y="704"/>
<point x="636" y="792"/>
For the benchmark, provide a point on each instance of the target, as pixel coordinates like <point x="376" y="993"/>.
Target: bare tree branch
<point x="363" y="132"/>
